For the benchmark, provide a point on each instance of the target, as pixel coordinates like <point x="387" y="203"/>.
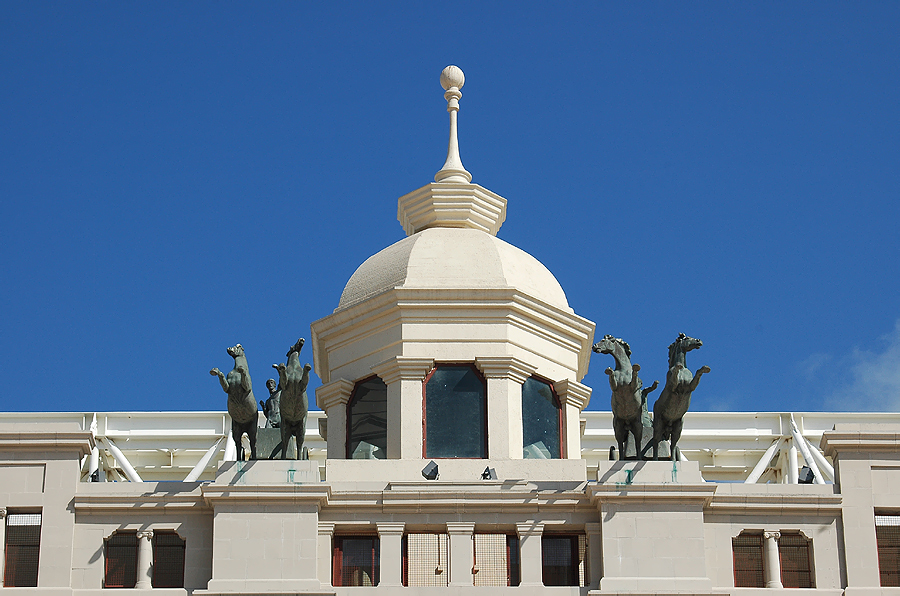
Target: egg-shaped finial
<point x="452" y="76"/>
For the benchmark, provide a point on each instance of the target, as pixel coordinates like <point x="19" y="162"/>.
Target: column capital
<point x="573" y="392"/>
<point x="504" y="367"/>
<point x="141" y="534"/>
<point x="403" y="368"/>
<point x="2" y="512"/>
<point x="772" y="535"/>
<point x="529" y="529"/>
<point x="592" y="528"/>
<point x="335" y="393"/>
<point x="326" y="529"/>
<point x="460" y="528"/>
<point x="390" y="529"/>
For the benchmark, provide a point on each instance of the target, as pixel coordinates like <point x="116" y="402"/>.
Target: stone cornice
<point x="529" y="529"/>
<point x="82" y="441"/>
<point x="573" y="392"/>
<point x="460" y="527"/>
<point x="504" y="367"/>
<point x="835" y="442"/>
<point x="215" y="494"/>
<point x="162" y="501"/>
<point x="335" y="393"/>
<point x="451" y="205"/>
<point x="696" y="494"/>
<point x="403" y="368"/>
<point x="773" y="504"/>
<point x="390" y="528"/>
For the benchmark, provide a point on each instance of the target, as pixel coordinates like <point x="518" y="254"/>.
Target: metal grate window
<point x="563" y="560"/>
<point x="121" y="560"/>
<point x="425" y="560"/>
<point x="23" y="545"/>
<point x="355" y="561"/>
<point x="496" y="560"/>
<point x="887" y="535"/>
<point x="748" y="561"/>
<point x="168" y="559"/>
<point x="796" y="568"/>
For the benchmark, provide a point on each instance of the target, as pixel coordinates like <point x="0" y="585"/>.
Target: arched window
<point x="367" y="420"/>
<point x="455" y="413"/>
<point x="541" y="420"/>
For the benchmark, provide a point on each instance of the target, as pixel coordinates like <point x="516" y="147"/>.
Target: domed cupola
<point x="452" y="345"/>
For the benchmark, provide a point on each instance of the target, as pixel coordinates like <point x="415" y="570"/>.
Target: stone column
<point x="324" y="553"/>
<point x="595" y="554"/>
<point x="530" y="558"/>
<point x="144" y="560"/>
<point x="403" y="376"/>
<point x="391" y="538"/>
<point x="505" y="375"/>
<point x="333" y="398"/>
<point x="2" y="542"/>
<point x="574" y="398"/>
<point x="461" y="553"/>
<point x="772" y="567"/>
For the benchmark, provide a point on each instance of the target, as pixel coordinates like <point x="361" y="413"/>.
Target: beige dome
<point x="453" y="258"/>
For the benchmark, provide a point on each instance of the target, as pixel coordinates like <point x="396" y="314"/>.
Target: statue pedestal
<point x="646" y="446"/>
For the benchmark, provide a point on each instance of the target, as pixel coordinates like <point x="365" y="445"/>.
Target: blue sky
<point x="179" y="177"/>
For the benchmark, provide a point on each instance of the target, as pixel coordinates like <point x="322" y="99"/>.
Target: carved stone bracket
<point x="573" y="392"/>
<point x="403" y="368"/>
<point x="334" y="393"/>
<point x="504" y="367"/>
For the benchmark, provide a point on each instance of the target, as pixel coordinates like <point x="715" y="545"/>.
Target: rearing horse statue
<point x="673" y="402"/>
<point x="629" y="400"/>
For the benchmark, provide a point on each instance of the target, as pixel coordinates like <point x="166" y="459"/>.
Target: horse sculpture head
<point x="295" y="348"/>
<point x="235" y="351"/>
<point x="683" y="344"/>
<point x="608" y="344"/>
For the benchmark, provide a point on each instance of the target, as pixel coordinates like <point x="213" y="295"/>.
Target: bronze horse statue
<point x="294" y="402"/>
<point x="673" y="402"/>
<point x="241" y="403"/>
<point x="629" y="400"/>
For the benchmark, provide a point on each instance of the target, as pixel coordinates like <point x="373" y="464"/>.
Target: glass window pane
<point x="367" y="418"/>
<point x="540" y="421"/>
<point x="168" y="560"/>
<point x="358" y="560"/>
<point x="455" y="413"/>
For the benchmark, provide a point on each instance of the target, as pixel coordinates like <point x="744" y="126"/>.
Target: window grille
<point x="168" y="559"/>
<point x="748" y="560"/>
<point x="23" y="545"/>
<point x="356" y="561"/>
<point x="563" y="560"/>
<point x="496" y="560"/>
<point x="887" y="535"/>
<point x="425" y="560"/>
<point x="541" y="420"/>
<point x="121" y="560"/>
<point x="455" y="413"/>
<point x="796" y="567"/>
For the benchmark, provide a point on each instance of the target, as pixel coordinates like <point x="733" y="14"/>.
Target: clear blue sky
<point x="179" y="177"/>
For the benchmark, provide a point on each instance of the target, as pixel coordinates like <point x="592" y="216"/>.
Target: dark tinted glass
<point x="121" y="560"/>
<point x="559" y="556"/>
<point x="887" y="533"/>
<point x="455" y="413"/>
<point x="23" y="544"/>
<point x="367" y="417"/>
<point x="748" y="561"/>
<point x="540" y="421"/>
<point x="168" y="560"/>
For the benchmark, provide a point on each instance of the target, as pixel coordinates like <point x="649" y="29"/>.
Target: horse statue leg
<point x="620" y="429"/>
<point x="676" y="434"/>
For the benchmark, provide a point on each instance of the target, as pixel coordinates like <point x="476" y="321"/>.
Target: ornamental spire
<point x="452" y="80"/>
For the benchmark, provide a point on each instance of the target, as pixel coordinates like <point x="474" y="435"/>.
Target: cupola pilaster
<point x="332" y="398"/>
<point x="403" y="376"/>
<point x="505" y="376"/>
<point x="574" y="398"/>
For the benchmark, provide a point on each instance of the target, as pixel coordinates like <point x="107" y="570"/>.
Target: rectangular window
<point x="796" y="565"/>
<point x="23" y="545"/>
<point x="496" y="560"/>
<point x="121" y="560"/>
<point x="563" y="559"/>
<point x="356" y="561"/>
<point x="748" y="560"/>
<point x="887" y="535"/>
<point x="425" y="560"/>
<point x="168" y="559"/>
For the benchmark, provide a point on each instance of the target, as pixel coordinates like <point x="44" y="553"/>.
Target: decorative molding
<point x="451" y="205"/>
<point x="463" y="528"/>
<point x="573" y="392"/>
<point x="693" y="494"/>
<point x="529" y="529"/>
<point x="504" y="367"/>
<point x="326" y="529"/>
<point x="335" y="393"/>
<point x="771" y="535"/>
<point x="833" y="443"/>
<point x="141" y="534"/>
<point x="82" y="441"/>
<point x="403" y="368"/>
<point x="2" y="512"/>
<point x="390" y="529"/>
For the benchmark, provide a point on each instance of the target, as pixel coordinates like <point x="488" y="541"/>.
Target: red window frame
<point x="337" y="559"/>
<point x="484" y="444"/>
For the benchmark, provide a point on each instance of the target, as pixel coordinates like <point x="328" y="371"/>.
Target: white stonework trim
<point x="573" y="392"/>
<point x="403" y="368"/>
<point x="335" y="393"/>
<point x="504" y="367"/>
<point x="451" y="205"/>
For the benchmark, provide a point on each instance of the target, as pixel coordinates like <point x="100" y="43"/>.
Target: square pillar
<point x="505" y="376"/>
<point x="574" y="398"/>
<point x="391" y="538"/>
<point x="324" y="548"/>
<point x="530" y="553"/>
<point x="595" y="554"/>
<point x="403" y="377"/>
<point x="333" y="398"/>
<point x="462" y="554"/>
